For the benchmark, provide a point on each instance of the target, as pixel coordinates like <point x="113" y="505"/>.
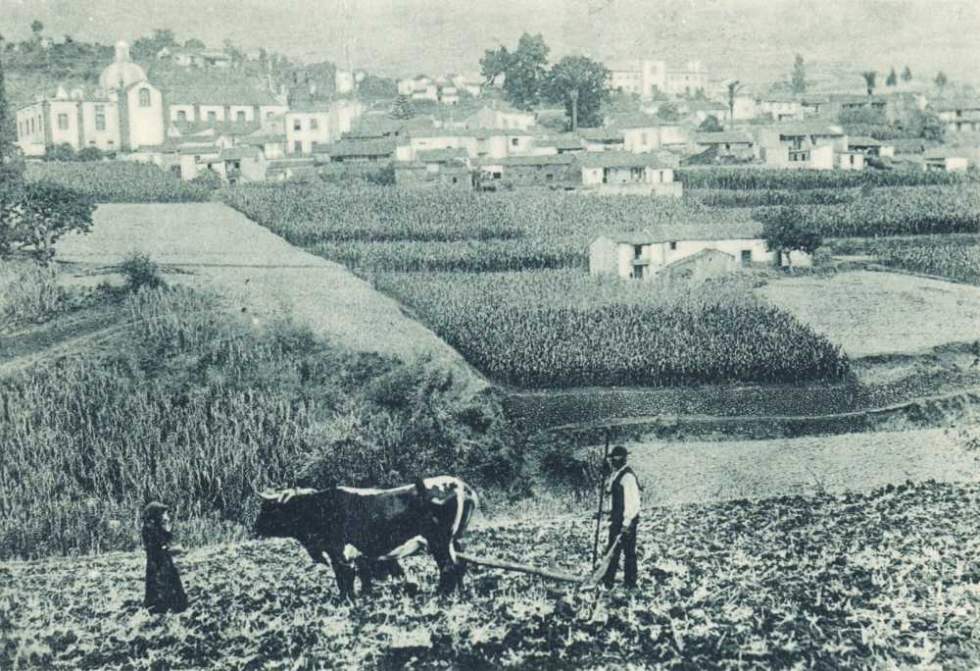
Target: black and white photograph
<point x="523" y="334"/>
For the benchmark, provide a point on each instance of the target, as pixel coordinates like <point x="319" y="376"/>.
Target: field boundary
<point x="919" y="412"/>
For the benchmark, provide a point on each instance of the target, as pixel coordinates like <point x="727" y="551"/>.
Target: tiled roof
<point x="467" y="132"/>
<point x="231" y="128"/>
<point x="199" y="149"/>
<point x="441" y="155"/>
<point x="564" y="141"/>
<point x="238" y="153"/>
<point x="953" y="105"/>
<point x="345" y="148"/>
<point x="529" y="161"/>
<point x="807" y="128"/>
<point x="263" y="138"/>
<point x="949" y="152"/>
<point x="723" y="137"/>
<point x="625" y="159"/>
<point x="855" y="98"/>
<point x="861" y="141"/>
<point x="218" y="93"/>
<point x="740" y="230"/>
<point x="601" y="134"/>
<point x="633" y="120"/>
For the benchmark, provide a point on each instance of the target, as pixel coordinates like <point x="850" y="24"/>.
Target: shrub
<point x="29" y="293"/>
<point x="141" y="272"/>
<point x="90" y="154"/>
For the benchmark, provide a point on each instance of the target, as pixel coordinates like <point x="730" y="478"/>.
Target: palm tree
<point x="733" y="87"/>
<point x="869" y="80"/>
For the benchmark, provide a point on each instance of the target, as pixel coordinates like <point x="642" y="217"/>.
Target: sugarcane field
<point x="578" y="334"/>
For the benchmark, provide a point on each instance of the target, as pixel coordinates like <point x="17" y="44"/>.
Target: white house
<point x="310" y="126"/>
<point x="950" y="159"/>
<point x="808" y="144"/>
<point x="643" y="255"/>
<point x="623" y="172"/>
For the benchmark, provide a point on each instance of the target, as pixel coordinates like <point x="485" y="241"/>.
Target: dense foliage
<point x="769" y="197"/>
<point x="196" y="408"/>
<point x="889" y="579"/>
<point x="566" y="329"/>
<point x="956" y="258"/>
<point x="762" y="178"/>
<point x="894" y="211"/>
<point x="33" y="215"/>
<point x="119" y="181"/>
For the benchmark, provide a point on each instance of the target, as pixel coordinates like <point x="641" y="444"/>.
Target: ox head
<point x="281" y="512"/>
<point x="438" y="507"/>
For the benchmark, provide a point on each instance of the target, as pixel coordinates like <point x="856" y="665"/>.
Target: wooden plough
<point x="590" y="581"/>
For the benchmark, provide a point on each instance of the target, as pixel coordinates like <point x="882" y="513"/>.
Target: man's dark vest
<point x="618" y="500"/>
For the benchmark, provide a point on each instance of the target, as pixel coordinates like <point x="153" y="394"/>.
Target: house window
<point x="728" y="147"/>
<point x="746" y="256"/>
<point x="144" y="97"/>
<point x="455" y="180"/>
<point x="212" y="118"/>
<point x="181" y="116"/>
<point x="314" y="124"/>
<point x="514" y="142"/>
<point x="298" y="147"/>
<point x="31" y="126"/>
<point x="673" y="245"/>
<point x="99" y="121"/>
<point x="313" y="146"/>
<point x="637" y="251"/>
<point x="62" y="122"/>
<point x="643" y="138"/>
<point x="240" y="116"/>
<point x="297" y="124"/>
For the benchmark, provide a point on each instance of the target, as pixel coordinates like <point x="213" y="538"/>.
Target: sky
<point x="742" y="38"/>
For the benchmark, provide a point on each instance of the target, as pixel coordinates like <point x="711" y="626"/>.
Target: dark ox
<point x="366" y="531"/>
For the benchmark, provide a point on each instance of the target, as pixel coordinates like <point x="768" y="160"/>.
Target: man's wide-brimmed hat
<point x="619" y="452"/>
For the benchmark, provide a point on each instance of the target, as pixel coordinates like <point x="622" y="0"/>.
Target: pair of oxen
<point x="365" y="532"/>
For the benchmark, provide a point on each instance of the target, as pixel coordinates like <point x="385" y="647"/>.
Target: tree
<point x="927" y="126"/>
<point x="906" y="74"/>
<point x="870" y="78"/>
<point x="784" y="232"/>
<point x="798" y="80"/>
<point x="194" y="43"/>
<point x="580" y="85"/>
<point x="525" y="70"/>
<point x="494" y="65"/>
<point x="33" y="215"/>
<point x="402" y="109"/>
<point x="710" y="125"/>
<point x="892" y="79"/>
<point x="668" y="111"/>
<point x="37" y="28"/>
<point x="11" y="165"/>
<point x="941" y="82"/>
<point x="733" y="88"/>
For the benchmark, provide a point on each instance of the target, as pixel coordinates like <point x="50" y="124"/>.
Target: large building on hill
<point x="128" y="112"/>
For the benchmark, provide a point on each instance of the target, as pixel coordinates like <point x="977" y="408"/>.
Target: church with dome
<point x="129" y="113"/>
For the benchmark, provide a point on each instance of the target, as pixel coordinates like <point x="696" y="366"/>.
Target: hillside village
<point x="458" y="132"/>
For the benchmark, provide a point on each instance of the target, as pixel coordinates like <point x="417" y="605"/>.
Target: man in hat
<point x="624" y="489"/>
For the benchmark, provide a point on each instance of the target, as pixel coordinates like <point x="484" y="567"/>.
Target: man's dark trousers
<point x="626" y="547"/>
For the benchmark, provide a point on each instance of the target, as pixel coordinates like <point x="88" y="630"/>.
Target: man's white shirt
<point x="631" y="495"/>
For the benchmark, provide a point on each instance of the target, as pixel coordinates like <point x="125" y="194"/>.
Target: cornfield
<point x="119" y="181"/>
<point x="895" y="211"/>
<point x="954" y="258"/>
<point x="762" y="178"/>
<point x="770" y="197"/>
<point x="566" y="329"/>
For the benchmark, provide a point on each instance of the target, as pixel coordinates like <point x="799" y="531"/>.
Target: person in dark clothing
<point x="164" y="591"/>
<point x="624" y="488"/>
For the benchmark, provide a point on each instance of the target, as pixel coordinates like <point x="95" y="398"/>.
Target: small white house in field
<point x="697" y="252"/>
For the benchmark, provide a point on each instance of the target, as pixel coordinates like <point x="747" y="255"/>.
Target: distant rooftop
<point x="739" y="230"/>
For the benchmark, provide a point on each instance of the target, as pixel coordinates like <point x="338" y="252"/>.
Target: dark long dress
<point x="164" y="591"/>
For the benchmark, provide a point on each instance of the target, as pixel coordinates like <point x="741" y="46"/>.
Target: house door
<point x="637" y="272"/>
<point x="746" y="257"/>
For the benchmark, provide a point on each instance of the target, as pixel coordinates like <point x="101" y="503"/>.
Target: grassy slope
<point x="890" y="579"/>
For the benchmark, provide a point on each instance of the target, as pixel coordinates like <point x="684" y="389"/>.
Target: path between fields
<point x="209" y="245"/>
